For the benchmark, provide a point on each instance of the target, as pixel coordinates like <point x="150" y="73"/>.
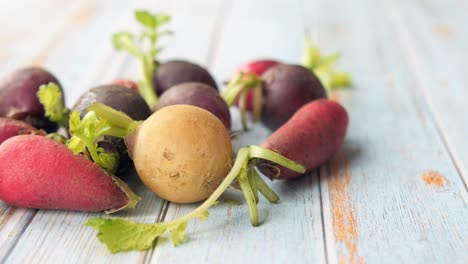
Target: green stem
<point x="120" y="122"/>
<point x="249" y="196"/>
<point x="257" y="102"/>
<point x="241" y="159"/>
<point x="267" y="154"/>
<point x="146" y="84"/>
<point x="252" y="182"/>
<point x="267" y="192"/>
<point x="241" y="82"/>
<point x="243" y="110"/>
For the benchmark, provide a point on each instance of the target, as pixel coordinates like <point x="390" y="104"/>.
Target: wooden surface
<point x="395" y="193"/>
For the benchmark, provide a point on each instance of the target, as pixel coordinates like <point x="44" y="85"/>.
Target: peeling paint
<point x="343" y="218"/>
<point x="443" y="30"/>
<point x="434" y="178"/>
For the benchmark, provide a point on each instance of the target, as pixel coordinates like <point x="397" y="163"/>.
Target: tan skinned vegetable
<point x="183" y="153"/>
<point x="190" y="153"/>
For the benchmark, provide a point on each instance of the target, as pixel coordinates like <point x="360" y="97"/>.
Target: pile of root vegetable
<point x="173" y="126"/>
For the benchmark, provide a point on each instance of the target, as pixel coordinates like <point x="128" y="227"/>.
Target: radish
<point x="257" y="67"/>
<point x="277" y="95"/>
<point x="11" y="127"/>
<point x="18" y="96"/>
<point x="174" y="72"/>
<point x="281" y="90"/>
<point x="287" y="88"/>
<point x="58" y="180"/>
<point x="312" y="135"/>
<point x="197" y="94"/>
<point x="182" y="153"/>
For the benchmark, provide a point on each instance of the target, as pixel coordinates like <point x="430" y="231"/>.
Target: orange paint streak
<point x="343" y="219"/>
<point x="443" y="30"/>
<point x="434" y="178"/>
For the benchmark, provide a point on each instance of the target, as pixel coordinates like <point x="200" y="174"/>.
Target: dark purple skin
<point x="175" y="72"/>
<point x="116" y="96"/>
<point x="286" y="89"/>
<point x="18" y="99"/>
<point x="122" y="99"/>
<point x="197" y="94"/>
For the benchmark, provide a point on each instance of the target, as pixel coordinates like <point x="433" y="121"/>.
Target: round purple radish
<point x="11" y="127"/>
<point x="286" y="89"/>
<point x="122" y="99"/>
<point x="174" y="72"/>
<point x="197" y="94"/>
<point x="311" y="137"/>
<point x="118" y="97"/>
<point x="18" y="99"/>
<point x="38" y="172"/>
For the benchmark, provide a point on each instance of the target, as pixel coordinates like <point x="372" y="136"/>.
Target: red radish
<point x="11" y="127"/>
<point x="38" y="172"/>
<point x="281" y="90"/>
<point x="257" y="67"/>
<point x="126" y="83"/>
<point x="312" y="135"/>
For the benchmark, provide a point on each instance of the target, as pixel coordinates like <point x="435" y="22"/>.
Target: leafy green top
<point x="50" y="96"/>
<point x="134" y="45"/>
<point x="124" y="235"/>
<point x="85" y="133"/>
<point x="324" y="67"/>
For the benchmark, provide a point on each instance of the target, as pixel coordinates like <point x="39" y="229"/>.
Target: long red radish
<point x="38" y="172"/>
<point x="311" y="137"/>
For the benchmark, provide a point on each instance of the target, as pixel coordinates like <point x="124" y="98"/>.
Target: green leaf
<point x="126" y="41"/>
<point x="340" y="79"/>
<point x="146" y="19"/>
<point x="85" y="135"/>
<point x="145" y="47"/>
<point x="204" y="214"/>
<point x="162" y="19"/>
<point x="51" y="99"/>
<point x="109" y="161"/>
<point x="178" y="233"/>
<point x="74" y="121"/>
<point x="124" y="235"/>
<point x="324" y="66"/>
<point x="76" y="145"/>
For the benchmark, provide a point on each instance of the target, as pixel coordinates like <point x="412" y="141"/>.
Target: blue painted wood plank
<point x="392" y="194"/>
<point x="60" y="236"/>
<point x="27" y="30"/>
<point x="435" y="36"/>
<point x="292" y="230"/>
<point x="50" y="232"/>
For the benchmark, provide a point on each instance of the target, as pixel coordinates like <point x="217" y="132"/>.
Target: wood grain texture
<point x="393" y="194"/>
<point x="59" y="236"/>
<point x="377" y="205"/>
<point x="28" y="28"/>
<point x="434" y="36"/>
<point x="292" y="230"/>
<point x="20" y="44"/>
